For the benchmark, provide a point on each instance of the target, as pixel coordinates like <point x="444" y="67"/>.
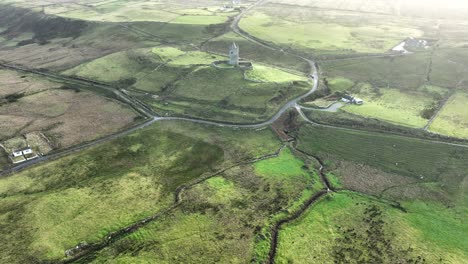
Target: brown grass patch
<point x="12" y="82"/>
<point x="366" y="179"/>
<point x="66" y="117"/>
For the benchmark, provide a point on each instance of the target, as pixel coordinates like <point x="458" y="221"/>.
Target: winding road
<point x="152" y="118"/>
<point x="146" y="111"/>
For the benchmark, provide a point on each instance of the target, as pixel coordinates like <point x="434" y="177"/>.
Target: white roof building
<point x="27" y="151"/>
<point x="17" y="154"/>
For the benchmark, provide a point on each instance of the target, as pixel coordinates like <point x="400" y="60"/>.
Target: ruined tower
<point x="234" y="55"/>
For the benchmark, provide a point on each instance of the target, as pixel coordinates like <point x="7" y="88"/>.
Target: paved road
<point x="331" y="108"/>
<point x="146" y="111"/>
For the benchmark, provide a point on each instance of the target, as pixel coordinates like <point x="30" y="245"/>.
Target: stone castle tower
<point x="234" y="55"/>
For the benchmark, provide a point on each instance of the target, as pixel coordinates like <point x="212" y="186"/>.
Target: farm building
<point x="23" y="154"/>
<point x="352" y="100"/>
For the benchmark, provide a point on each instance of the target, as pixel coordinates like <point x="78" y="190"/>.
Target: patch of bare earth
<point x="426" y="192"/>
<point x="365" y="179"/>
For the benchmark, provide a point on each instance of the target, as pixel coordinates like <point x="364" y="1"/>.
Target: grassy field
<point x="110" y="186"/>
<point x="405" y="72"/>
<point x="449" y="67"/>
<point x="174" y="56"/>
<point x="451" y="9"/>
<point x="404" y="199"/>
<point x="340" y="84"/>
<point x="418" y="161"/>
<point x="268" y="74"/>
<point x="453" y="118"/>
<point x="400" y="90"/>
<point x="286" y="170"/>
<point x="330" y="31"/>
<point x="147" y="69"/>
<point x="124" y="11"/>
<point x="11" y="82"/>
<point x="347" y="119"/>
<point x="218" y="219"/>
<point x="335" y="230"/>
<point x="176" y="81"/>
<point x="224" y="94"/>
<point x="393" y="105"/>
<point x="56" y="43"/>
<point x="72" y="42"/>
<point x="117" y="66"/>
<point x="32" y="104"/>
<point x="254" y="52"/>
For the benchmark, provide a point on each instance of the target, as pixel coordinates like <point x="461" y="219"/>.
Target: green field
<point x="253" y="52"/>
<point x="110" y="186"/>
<point x="117" y="66"/>
<point x="350" y="120"/>
<point x="450" y="67"/>
<point x="340" y="84"/>
<point x="269" y="74"/>
<point x="334" y="231"/>
<point x="305" y="28"/>
<point x="224" y="94"/>
<point x="398" y="161"/>
<point x="180" y="82"/>
<point x="124" y="11"/>
<point x="393" y="106"/>
<point x="180" y="191"/>
<point x="405" y="72"/>
<point x="218" y="219"/>
<point x="395" y="89"/>
<point x="453" y="118"/>
<point x="404" y="170"/>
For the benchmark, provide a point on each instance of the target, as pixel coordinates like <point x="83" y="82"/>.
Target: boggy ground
<point x="66" y="115"/>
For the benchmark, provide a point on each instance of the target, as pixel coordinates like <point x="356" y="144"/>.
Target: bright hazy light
<point x="438" y="3"/>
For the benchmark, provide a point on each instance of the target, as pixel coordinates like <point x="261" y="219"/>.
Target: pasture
<point x="338" y="228"/>
<point x="403" y="72"/>
<point x="253" y="52"/>
<point x="400" y="199"/>
<point x="331" y="31"/>
<point x="394" y="106"/>
<point x="120" y="182"/>
<point x="191" y="12"/>
<point x="183" y="82"/>
<point x="453" y="118"/>
<point x="218" y="219"/>
<point x="416" y="160"/>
